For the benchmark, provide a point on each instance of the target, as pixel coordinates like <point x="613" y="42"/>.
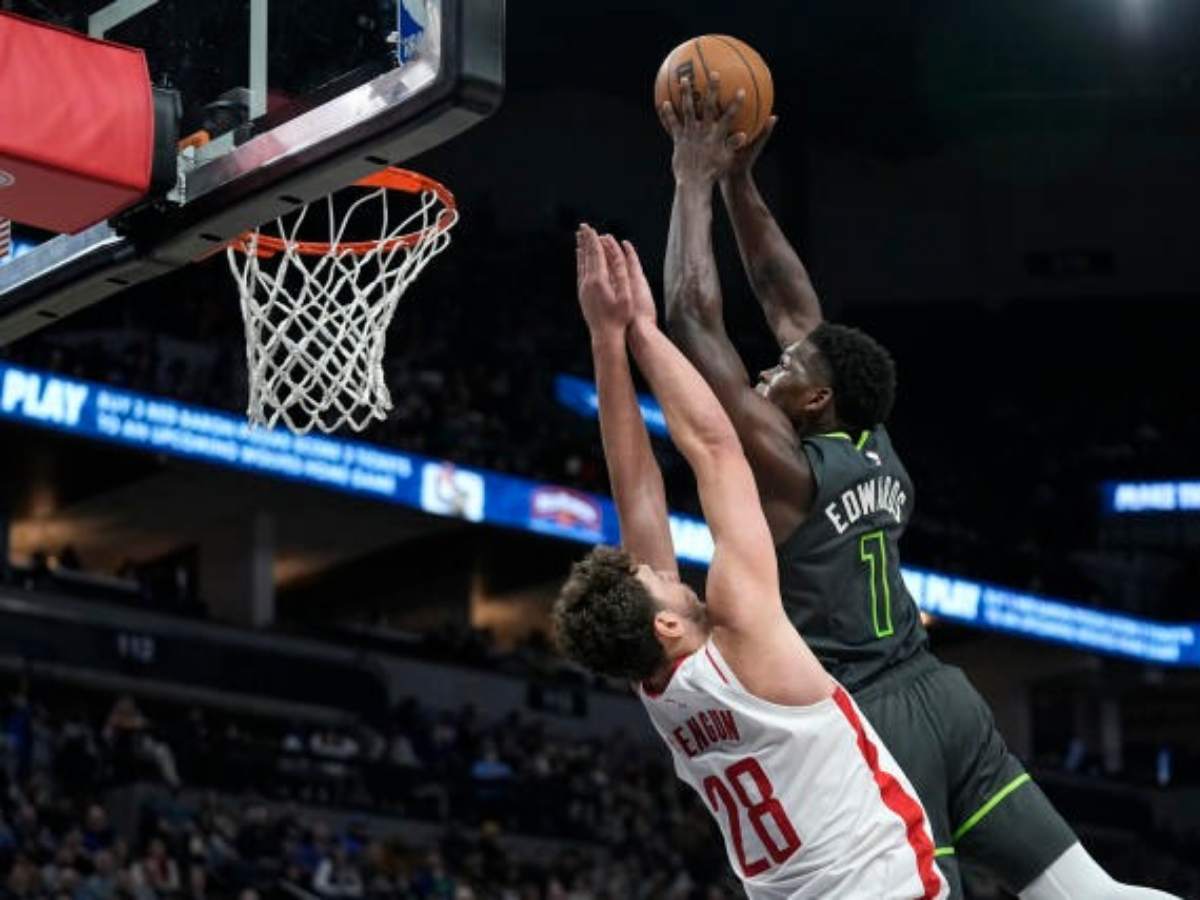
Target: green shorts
<point x="982" y="804"/>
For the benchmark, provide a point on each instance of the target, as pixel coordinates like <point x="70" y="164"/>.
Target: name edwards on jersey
<point x="880" y="494"/>
<point x="704" y="729"/>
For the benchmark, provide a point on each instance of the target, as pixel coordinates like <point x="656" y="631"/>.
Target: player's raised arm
<point x="778" y="277"/>
<point x="636" y="480"/>
<point x="705" y="436"/>
<point x="703" y="149"/>
<point x="744" y="606"/>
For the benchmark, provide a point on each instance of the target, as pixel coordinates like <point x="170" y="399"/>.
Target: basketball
<point x="739" y="66"/>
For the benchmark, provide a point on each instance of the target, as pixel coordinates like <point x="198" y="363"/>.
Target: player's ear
<point x="667" y="625"/>
<point x="818" y="400"/>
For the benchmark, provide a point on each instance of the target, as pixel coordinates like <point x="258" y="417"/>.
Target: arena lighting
<point x="995" y="608"/>
<point x="1135" y="14"/>
<point x="438" y="487"/>
<point x="579" y="396"/>
<point x="1150" y="497"/>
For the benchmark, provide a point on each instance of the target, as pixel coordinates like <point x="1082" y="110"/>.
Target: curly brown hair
<point x="604" y="617"/>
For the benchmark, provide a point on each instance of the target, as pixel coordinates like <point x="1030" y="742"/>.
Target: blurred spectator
<point x="432" y="880"/>
<point x="338" y="876"/>
<point x="97" y="834"/>
<point x="402" y="753"/>
<point x="102" y="883"/>
<point x="128" y="733"/>
<point x="77" y="762"/>
<point x="156" y="874"/>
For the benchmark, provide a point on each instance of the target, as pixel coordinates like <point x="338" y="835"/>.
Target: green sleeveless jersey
<point x="839" y="571"/>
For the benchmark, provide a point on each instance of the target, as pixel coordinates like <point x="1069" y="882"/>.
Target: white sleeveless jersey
<point x="810" y="802"/>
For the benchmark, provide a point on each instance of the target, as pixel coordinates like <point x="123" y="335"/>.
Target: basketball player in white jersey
<point x="810" y="803"/>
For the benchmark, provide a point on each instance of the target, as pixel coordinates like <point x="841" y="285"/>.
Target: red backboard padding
<point x="76" y="126"/>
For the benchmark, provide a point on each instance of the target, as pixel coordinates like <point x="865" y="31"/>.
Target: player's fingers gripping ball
<point x="739" y="67"/>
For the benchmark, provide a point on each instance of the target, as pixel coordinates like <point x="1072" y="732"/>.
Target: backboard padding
<point x="385" y="120"/>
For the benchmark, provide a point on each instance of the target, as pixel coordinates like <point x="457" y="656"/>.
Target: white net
<point x="317" y="315"/>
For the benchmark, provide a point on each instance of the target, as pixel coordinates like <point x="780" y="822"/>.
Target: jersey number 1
<point x="767" y="806"/>
<point x="872" y="550"/>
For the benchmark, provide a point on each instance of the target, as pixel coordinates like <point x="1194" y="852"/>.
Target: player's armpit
<point x="775" y="664"/>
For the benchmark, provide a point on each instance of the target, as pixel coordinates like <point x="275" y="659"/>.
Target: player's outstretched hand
<point x="604" y="294"/>
<point x="642" y="296"/>
<point x="705" y="144"/>
<point x="745" y="157"/>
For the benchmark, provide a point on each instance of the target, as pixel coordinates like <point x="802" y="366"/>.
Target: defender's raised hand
<point x="643" y="297"/>
<point x="628" y="281"/>
<point x="607" y="306"/>
<point x="705" y="144"/>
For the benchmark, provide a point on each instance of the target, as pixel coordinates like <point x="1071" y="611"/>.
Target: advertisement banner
<point x="443" y="488"/>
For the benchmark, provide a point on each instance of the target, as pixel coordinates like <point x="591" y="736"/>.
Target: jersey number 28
<point x="767" y="806"/>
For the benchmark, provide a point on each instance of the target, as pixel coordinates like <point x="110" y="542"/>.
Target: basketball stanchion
<point x="316" y="313"/>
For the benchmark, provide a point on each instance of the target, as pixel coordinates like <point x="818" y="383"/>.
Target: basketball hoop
<point x="317" y="312"/>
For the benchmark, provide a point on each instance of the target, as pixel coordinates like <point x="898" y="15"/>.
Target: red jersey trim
<point x="653" y="694"/>
<point x="714" y="664"/>
<point x="896" y="799"/>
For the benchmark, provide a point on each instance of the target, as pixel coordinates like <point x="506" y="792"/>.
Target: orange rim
<point x="391" y="179"/>
<point x="195" y="139"/>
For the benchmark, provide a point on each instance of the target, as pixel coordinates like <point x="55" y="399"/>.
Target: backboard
<point x="289" y="100"/>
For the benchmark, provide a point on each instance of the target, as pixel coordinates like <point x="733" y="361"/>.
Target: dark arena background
<point x="230" y="671"/>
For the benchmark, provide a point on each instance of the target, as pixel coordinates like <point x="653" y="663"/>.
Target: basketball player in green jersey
<point x="837" y="498"/>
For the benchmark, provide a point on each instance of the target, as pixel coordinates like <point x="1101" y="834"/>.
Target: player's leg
<point x="906" y="728"/>
<point x="1002" y="819"/>
<point x="1075" y="874"/>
